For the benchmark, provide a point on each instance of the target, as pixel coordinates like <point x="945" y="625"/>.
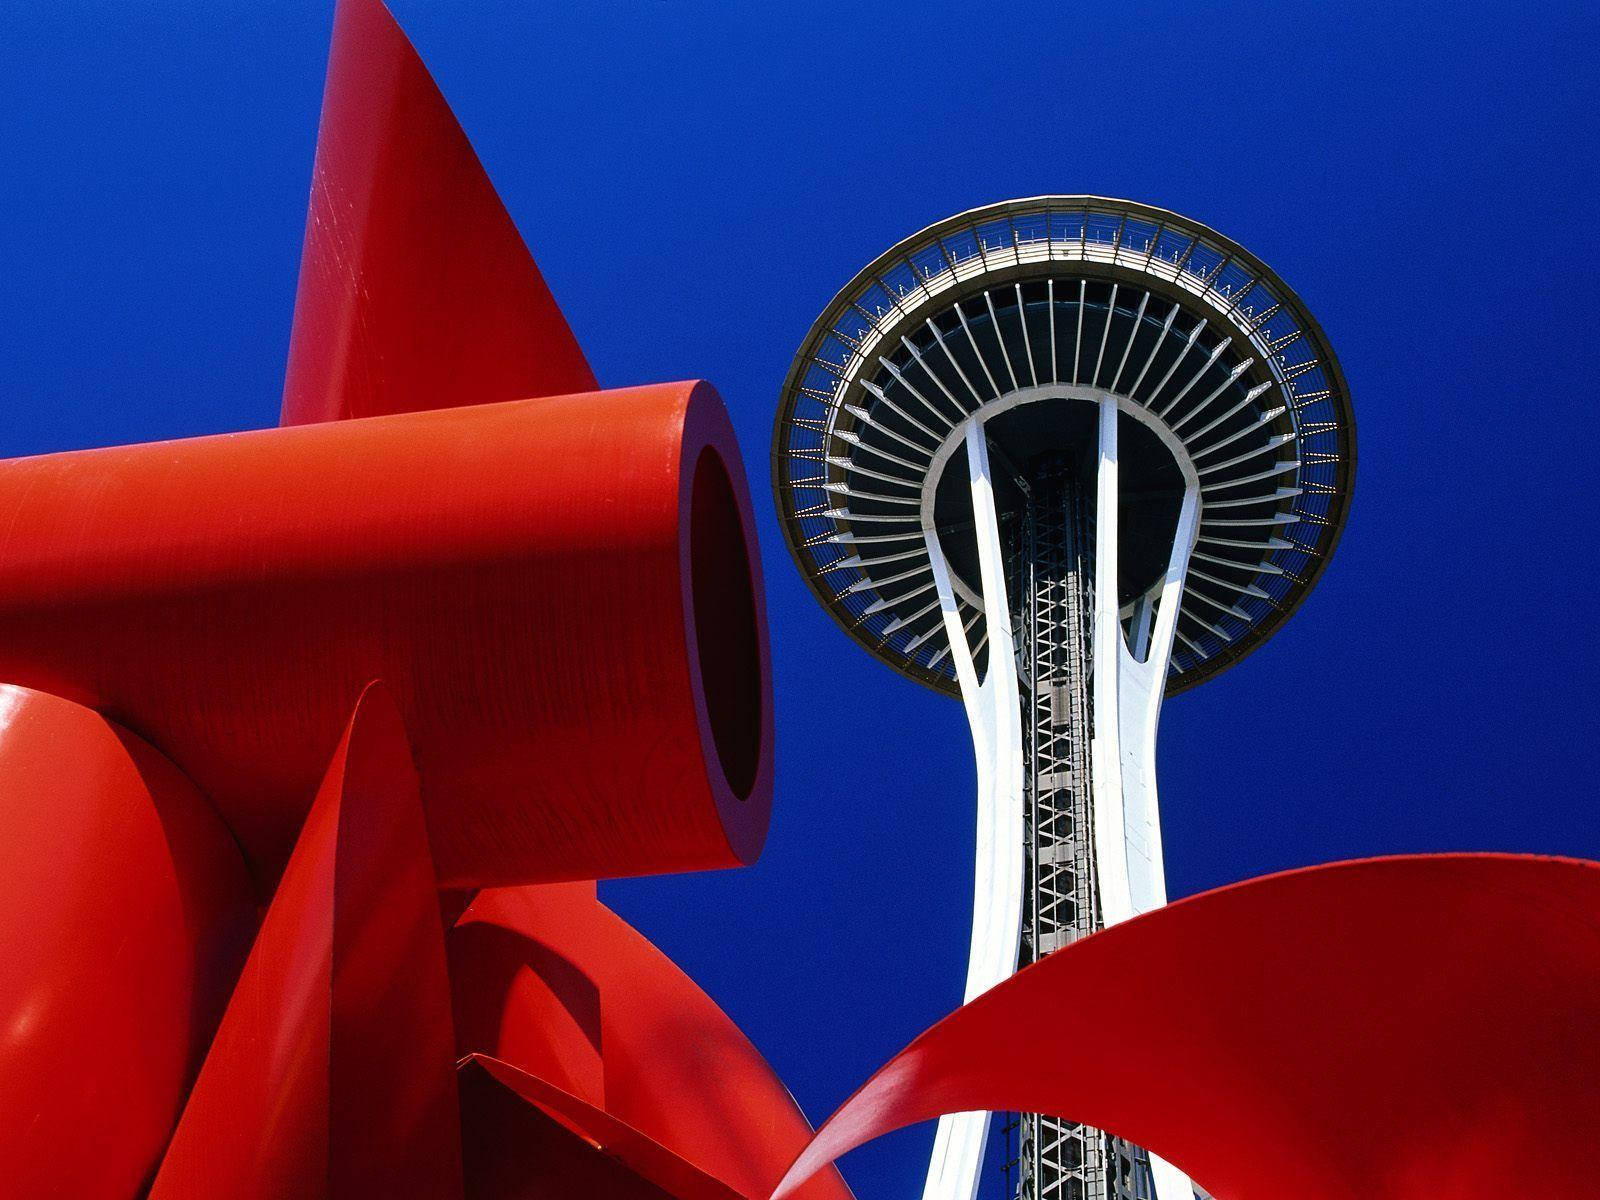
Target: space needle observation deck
<point x="1061" y="457"/>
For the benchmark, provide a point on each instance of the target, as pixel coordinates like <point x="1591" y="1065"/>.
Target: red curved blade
<point x="551" y="982"/>
<point x="641" y="1154"/>
<point x="1385" y="1029"/>
<point x="515" y="1150"/>
<point x="332" y="1071"/>
<point x="416" y="290"/>
<point x="126" y="911"/>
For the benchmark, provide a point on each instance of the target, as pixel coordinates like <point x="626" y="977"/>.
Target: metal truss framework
<point x="1064" y="291"/>
<point x="1031" y="332"/>
<point x="1063" y="720"/>
<point x="1052" y="576"/>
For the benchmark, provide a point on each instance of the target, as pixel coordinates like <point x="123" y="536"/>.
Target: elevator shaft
<point x="1050" y="554"/>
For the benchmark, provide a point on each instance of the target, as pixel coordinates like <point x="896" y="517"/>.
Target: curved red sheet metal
<point x="563" y="595"/>
<point x="642" y="1155"/>
<point x="416" y="291"/>
<point x="125" y="914"/>
<point x="515" y="1150"/>
<point x="557" y="986"/>
<point x="1373" y="1030"/>
<point x="332" y="1073"/>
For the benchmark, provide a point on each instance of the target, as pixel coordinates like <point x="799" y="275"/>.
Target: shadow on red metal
<point x="125" y="913"/>
<point x="621" y="1045"/>
<point x="515" y="1150"/>
<point x="416" y="291"/>
<point x="643" y="1156"/>
<point x="563" y="595"/>
<point x="1375" y="1030"/>
<point x="332" y="1072"/>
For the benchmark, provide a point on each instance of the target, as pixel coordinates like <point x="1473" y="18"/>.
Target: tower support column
<point x="1041" y="333"/>
<point x="1068" y="828"/>
<point x="994" y="709"/>
<point x="1053" y="557"/>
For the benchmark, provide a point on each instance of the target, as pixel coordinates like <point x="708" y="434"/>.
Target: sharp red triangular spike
<point x="416" y="291"/>
<point x="332" y="1071"/>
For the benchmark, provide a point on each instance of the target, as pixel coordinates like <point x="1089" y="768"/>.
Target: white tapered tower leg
<point x="1126" y="703"/>
<point x="1215" y="372"/>
<point x="994" y="712"/>
<point x="1129" y="868"/>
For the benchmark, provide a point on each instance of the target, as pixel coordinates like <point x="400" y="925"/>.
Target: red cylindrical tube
<point x="563" y="595"/>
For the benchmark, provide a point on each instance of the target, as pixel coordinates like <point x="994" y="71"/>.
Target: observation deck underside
<point x="1216" y="363"/>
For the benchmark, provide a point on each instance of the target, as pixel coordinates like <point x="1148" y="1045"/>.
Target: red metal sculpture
<point x="1376" y="1030"/>
<point x="560" y="593"/>
<point x="603" y="1032"/>
<point x="271" y="702"/>
<point x="416" y="290"/>
<point x="126" y="915"/>
<point x="559" y="589"/>
<point x="331" y="1073"/>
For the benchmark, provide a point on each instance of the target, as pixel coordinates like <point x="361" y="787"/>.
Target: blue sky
<point x="696" y="180"/>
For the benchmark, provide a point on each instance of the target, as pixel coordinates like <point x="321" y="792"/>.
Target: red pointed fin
<point x="332" y="1071"/>
<point x="416" y="291"/>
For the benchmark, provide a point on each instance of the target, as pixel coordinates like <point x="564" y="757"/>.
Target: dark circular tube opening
<point x="725" y="632"/>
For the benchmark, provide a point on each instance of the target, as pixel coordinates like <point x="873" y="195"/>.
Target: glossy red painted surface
<point x="125" y="913"/>
<point x="416" y="290"/>
<point x="1377" y="1030"/>
<point x="562" y="593"/>
<point x="332" y="1073"/>
<point x="560" y="588"/>
<point x="631" y="1053"/>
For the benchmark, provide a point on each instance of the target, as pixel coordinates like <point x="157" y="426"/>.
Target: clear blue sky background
<point x="697" y="180"/>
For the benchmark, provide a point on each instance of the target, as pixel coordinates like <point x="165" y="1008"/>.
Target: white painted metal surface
<point x="1057" y="300"/>
<point x="1068" y="292"/>
<point x="1127" y="704"/>
<point x="994" y="713"/>
<point x="1131" y="872"/>
<point x="1127" y="700"/>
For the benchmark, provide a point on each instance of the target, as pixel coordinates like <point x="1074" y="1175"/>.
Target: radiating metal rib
<point x="868" y="417"/>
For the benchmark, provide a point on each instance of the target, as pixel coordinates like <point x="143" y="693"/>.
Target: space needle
<point x="1062" y="457"/>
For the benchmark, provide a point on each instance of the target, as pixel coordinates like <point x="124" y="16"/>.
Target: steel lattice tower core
<point x="1062" y="457"/>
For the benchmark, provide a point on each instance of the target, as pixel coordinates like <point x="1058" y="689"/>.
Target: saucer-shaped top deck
<point x="1010" y="312"/>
